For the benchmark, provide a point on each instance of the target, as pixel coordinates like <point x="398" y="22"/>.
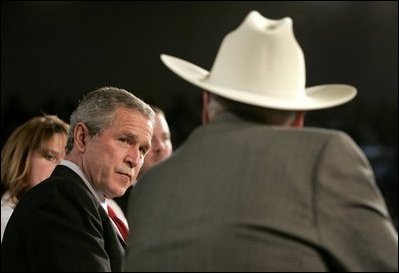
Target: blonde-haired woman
<point x="28" y="157"/>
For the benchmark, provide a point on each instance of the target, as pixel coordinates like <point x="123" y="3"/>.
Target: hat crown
<point x="261" y="56"/>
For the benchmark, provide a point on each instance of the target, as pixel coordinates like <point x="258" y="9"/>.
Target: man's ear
<point x="205" y="103"/>
<point x="299" y="119"/>
<point x="80" y="136"/>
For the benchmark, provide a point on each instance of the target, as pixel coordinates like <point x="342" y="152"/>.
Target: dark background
<point x="54" y="52"/>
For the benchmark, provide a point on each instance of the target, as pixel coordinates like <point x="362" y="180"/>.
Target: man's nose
<point x="133" y="157"/>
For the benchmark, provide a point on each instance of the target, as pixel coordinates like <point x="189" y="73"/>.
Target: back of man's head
<point x="269" y="116"/>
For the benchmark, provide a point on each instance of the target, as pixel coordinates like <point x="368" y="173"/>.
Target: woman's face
<point x="42" y="163"/>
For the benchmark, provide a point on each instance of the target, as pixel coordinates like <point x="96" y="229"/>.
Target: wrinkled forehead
<point x="124" y="112"/>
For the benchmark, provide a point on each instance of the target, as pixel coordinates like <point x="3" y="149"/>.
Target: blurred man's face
<point x="161" y="145"/>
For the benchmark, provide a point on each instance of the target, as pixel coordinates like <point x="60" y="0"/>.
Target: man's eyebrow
<point x="135" y="137"/>
<point x="130" y="135"/>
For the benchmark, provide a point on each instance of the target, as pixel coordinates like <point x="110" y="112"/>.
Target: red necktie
<point x="119" y="223"/>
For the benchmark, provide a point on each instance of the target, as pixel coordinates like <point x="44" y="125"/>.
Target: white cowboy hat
<point x="261" y="63"/>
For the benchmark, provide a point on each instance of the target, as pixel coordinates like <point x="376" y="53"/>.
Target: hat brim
<point x="316" y="97"/>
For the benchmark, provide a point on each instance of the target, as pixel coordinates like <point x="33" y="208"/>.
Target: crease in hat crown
<point x="264" y="24"/>
<point x="261" y="63"/>
<point x="269" y="54"/>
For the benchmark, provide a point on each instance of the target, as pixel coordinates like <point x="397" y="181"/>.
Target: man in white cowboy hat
<point x="251" y="190"/>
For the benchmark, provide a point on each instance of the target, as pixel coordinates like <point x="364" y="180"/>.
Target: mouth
<point x="126" y="175"/>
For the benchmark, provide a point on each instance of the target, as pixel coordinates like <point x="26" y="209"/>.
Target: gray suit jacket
<point x="60" y="226"/>
<point x="239" y="196"/>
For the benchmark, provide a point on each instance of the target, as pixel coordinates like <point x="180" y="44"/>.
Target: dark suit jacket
<point x="239" y="196"/>
<point x="60" y="226"/>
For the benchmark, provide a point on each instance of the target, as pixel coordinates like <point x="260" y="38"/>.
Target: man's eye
<point x="143" y="151"/>
<point x="123" y="139"/>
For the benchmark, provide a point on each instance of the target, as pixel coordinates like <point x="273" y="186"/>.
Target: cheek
<point x="39" y="171"/>
<point x="100" y="155"/>
<point x="143" y="163"/>
<point x="45" y="169"/>
<point x="110" y="153"/>
<point x="170" y="148"/>
<point x="149" y="158"/>
<point x="139" y="167"/>
<point x="148" y="163"/>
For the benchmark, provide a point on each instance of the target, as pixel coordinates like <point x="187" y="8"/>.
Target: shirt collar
<point x="99" y="196"/>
